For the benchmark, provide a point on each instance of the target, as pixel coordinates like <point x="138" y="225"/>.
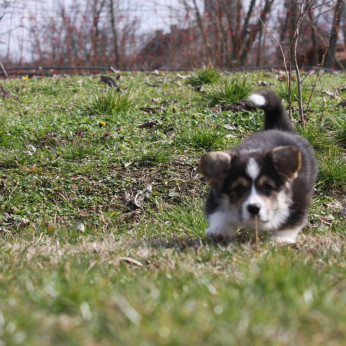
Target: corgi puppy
<point x="265" y="182"/>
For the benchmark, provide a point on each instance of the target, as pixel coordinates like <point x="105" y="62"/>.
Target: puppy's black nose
<point x="253" y="209"/>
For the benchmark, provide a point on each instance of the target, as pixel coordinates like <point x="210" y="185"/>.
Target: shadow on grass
<point x="243" y="237"/>
<point x="175" y="242"/>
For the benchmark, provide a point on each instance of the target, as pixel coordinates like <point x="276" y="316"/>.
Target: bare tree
<point x="251" y="38"/>
<point x="244" y="32"/>
<point x="300" y="19"/>
<point x="5" y="6"/>
<point x="96" y="9"/>
<point x="330" y="60"/>
<point x="314" y="40"/>
<point x="111" y="5"/>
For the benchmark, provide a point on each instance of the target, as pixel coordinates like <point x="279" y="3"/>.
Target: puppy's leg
<point x="288" y="236"/>
<point x="220" y="227"/>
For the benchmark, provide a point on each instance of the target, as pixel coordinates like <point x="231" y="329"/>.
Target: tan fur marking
<point x="265" y="180"/>
<point x="240" y="181"/>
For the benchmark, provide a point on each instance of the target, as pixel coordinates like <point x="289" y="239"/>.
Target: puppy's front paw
<point x="218" y="234"/>
<point x="287" y="236"/>
<point x="282" y="240"/>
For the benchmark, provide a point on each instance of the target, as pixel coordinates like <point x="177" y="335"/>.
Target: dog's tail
<point x="275" y="116"/>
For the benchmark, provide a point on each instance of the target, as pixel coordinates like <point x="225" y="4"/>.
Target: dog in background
<point x="265" y="182"/>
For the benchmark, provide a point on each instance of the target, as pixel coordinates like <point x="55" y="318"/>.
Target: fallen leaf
<point x="147" y="82"/>
<point x="32" y="170"/>
<point x="131" y="261"/>
<point x="152" y="110"/>
<point x="216" y="109"/>
<point x="138" y="199"/>
<point x="147" y="124"/>
<point x="80" y="227"/>
<point x="230" y="127"/>
<point x="330" y="93"/>
<point x="262" y="83"/>
<point x="342" y="103"/>
<point x="110" y="82"/>
<point x="181" y="76"/>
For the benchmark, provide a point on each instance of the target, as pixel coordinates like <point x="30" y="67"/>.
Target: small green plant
<point x="5" y="140"/>
<point x="337" y="122"/>
<point x="318" y="137"/>
<point x="154" y="156"/>
<point x="206" y="75"/>
<point x="331" y="172"/>
<point x="282" y="91"/>
<point x="341" y="136"/>
<point x="201" y="139"/>
<point x="109" y="102"/>
<point x="78" y="151"/>
<point x="230" y="91"/>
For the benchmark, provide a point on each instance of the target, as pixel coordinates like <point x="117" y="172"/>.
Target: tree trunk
<point x="115" y="33"/>
<point x="236" y="36"/>
<point x="259" y="51"/>
<point x="201" y="28"/>
<point x="315" y="52"/>
<point x="330" y="59"/>
<point x="284" y="29"/>
<point x="251" y="38"/>
<point x="96" y="11"/>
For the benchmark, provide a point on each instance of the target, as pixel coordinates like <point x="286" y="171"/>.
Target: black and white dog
<point x="265" y="182"/>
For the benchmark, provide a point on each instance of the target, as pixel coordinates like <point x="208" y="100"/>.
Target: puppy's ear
<point x="214" y="166"/>
<point x="287" y="160"/>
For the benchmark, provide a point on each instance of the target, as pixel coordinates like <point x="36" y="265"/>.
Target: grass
<point x="332" y="171"/>
<point x="206" y="139"/>
<point x="141" y="272"/>
<point x="282" y="91"/>
<point x="206" y="75"/>
<point x="229" y="91"/>
<point x="109" y="102"/>
<point x="154" y="156"/>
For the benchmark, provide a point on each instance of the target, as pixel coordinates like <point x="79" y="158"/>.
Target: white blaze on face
<point x="254" y="198"/>
<point x="252" y="169"/>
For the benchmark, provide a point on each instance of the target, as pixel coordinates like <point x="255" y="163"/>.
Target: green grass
<point x="282" y="91"/>
<point x="207" y="139"/>
<point x="206" y="75"/>
<point x="109" y="102"/>
<point x="332" y="171"/>
<point x="154" y="156"/>
<point x="125" y="166"/>
<point x="227" y="92"/>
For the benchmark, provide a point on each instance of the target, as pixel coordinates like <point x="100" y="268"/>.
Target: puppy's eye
<point x="239" y="189"/>
<point x="267" y="189"/>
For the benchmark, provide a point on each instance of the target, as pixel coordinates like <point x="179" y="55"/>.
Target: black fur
<point x="275" y="116"/>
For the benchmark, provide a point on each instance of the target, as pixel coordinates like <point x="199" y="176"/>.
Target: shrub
<point x="109" y="102"/>
<point x="201" y="139"/>
<point x="230" y="91"/>
<point x="206" y="75"/>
